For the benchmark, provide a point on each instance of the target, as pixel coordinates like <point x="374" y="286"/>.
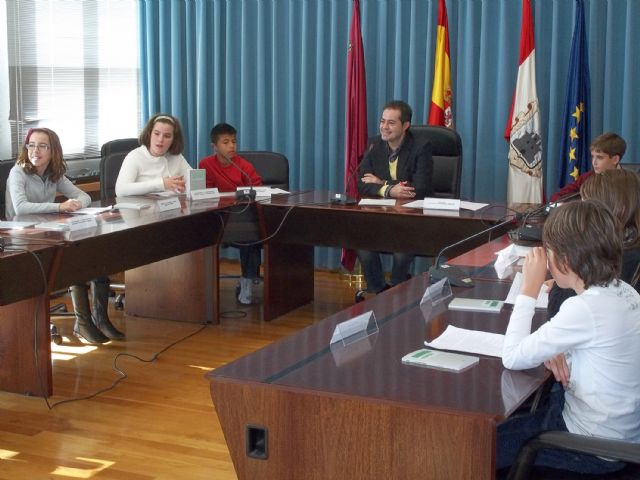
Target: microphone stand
<point x="457" y="277"/>
<point x="241" y="195"/>
<point x="343" y="198"/>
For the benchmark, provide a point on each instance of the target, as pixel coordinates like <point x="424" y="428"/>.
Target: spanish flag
<point x="440" y="112"/>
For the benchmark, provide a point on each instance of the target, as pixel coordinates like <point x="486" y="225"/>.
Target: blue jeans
<point x="249" y="260"/>
<point x="373" y="273"/>
<point x="514" y="432"/>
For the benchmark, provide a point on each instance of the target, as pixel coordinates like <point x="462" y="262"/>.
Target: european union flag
<point x="575" y="157"/>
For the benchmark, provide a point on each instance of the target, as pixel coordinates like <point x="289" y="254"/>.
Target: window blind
<point x="73" y="67"/>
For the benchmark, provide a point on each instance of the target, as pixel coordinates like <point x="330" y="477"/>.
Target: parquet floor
<point x="158" y="422"/>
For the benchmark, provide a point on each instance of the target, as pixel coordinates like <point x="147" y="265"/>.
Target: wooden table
<point x="319" y="412"/>
<point x="43" y="261"/>
<point x="307" y="219"/>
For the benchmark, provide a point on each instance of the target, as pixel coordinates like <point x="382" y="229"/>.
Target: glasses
<point x="40" y="146"/>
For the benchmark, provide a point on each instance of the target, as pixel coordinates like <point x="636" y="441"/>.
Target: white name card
<point x="431" y="203"/>
<point x="168" y="204"/>
<point x="80" y="222"/>
<point x="205" y="194"/>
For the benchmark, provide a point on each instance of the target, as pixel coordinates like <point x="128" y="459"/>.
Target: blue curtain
<point x="276" y="70"/>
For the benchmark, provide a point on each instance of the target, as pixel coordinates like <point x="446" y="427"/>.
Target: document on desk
<point x="543" y="295"/>
<point x="470" y="341"/>
<point x="377" y="202"/>
<point x="90" y="210"/>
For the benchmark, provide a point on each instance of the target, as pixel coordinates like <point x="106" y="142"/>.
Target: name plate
<point x="441" y="204"/>
<point x="81" y="222"/>
<point x="205" y="194"/>
<point x="168" y="204"/>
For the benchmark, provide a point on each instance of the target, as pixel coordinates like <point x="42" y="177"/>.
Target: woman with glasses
<point x="32" y="186"/>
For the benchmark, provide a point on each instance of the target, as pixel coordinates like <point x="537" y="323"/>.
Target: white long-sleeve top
<point x="30" y="193"/>
<point x="599" y="332"/>
<point x="143" y="173"/>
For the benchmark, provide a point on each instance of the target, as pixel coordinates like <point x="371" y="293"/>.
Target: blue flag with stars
<point x="575" y="157"/>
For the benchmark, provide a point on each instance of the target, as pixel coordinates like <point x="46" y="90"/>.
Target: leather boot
<point x="84" y="326"/>
<point x="100" y="309"/>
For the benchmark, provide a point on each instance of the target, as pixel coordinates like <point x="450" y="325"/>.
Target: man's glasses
<point x="39" y="146"/>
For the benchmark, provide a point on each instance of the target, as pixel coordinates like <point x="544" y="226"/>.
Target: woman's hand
<point x="176" y="184"/>
<point x="534" y="272"/>
<point x="70" y="205"/>
<point x="560" y="369"/>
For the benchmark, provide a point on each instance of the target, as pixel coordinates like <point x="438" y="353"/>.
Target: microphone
<point x="241" y="195"/>
<point x="343" y="198"/>
<point x="527" y="233"/>
<point x="457" y="277"/>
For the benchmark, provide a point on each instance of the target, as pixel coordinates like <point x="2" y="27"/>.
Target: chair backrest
<point x="634" y="167"/>
<point x="271" y="166"/>
<point x="447" y="158"/>
<point x="111" y="157"/>
<point x="5" y="168"/>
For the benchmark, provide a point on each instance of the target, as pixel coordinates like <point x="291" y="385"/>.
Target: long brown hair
<point x="57" y="166"/>
<point x="619" y="190"/>
<point x="586" y="238"/>
<point x="177" y="145"/>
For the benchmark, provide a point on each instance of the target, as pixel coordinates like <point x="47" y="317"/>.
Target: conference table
<point x="302" y="408"/>
<point x="171" y="262"/>
<point x="296" y="223"/>
<point x="38" y="261"/>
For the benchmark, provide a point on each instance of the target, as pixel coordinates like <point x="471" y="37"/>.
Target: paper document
<point x="131" y="206"/>
<point x="472" y="205"/>
<point x="517" y="250"/>
<point x="415" y="204"/>
<point x="470" y="341"/>
<point x="90" y="210"/>
<point x="15" y="225"/>
<point x="378" y="202"/>
<point x="543" y="296"/>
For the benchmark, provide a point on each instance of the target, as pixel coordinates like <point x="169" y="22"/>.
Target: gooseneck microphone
<point x="343" y="198"/>
<point x="242" y="195"/>
<point x="457" y="277"/>
<point x="527" y="233"/>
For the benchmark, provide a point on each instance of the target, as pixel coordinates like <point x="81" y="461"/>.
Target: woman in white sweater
<point x="598" y="331"/>
<point x="158" y="164"/>
<point x="33" y="183"/>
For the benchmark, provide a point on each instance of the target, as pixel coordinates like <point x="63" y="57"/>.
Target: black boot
<point x="84" y="327"/>
<point x="100" y="309"/>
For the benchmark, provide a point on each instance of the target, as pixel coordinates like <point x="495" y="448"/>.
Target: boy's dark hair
<point x="609" y="143"/>
<point x="177" y="145"/>
<point x="619" y="190"/>
<point x="586" y="238"/>
<point x="221" y="129"/>
<point x="403" y="107"/>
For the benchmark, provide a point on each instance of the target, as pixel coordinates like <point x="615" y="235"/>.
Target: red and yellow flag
<point x="440" y="112"/>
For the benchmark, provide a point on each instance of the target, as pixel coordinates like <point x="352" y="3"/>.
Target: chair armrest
<point x="597" y="446"/>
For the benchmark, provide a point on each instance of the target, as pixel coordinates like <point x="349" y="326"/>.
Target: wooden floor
<point x="159" y="422"/>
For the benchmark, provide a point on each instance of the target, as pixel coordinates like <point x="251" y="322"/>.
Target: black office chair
<point x="634" y="167"/>
<point x="112" y="155"/>
<point x="242" y="227"/>
<point x="624" y="451"/>
<point x="271" y="166"/>
<point x="447" y="158"/>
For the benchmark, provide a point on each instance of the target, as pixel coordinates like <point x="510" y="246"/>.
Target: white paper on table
<point x="543" y="295"/>
<point x="415" y="204"/>
<point x="90" y="210"/>
<point x="474" y="206"/>
<point x="470" y="341"/>
<point x="278" y="191"/>
<point x="518" y="250"/>
<point x="378" y="202"/>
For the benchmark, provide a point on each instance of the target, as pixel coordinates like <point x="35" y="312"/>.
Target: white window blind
<point x="73" y="67"/>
